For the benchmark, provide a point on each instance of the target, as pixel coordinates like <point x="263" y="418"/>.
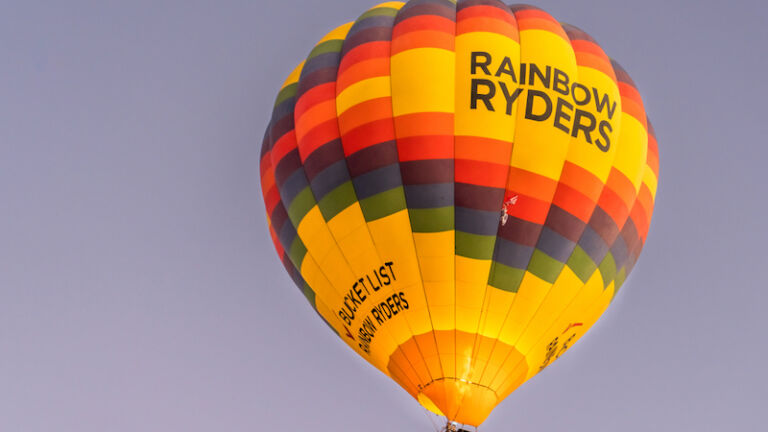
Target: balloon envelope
<point x="459" y="190"/>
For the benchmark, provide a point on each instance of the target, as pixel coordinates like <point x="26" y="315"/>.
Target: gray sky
<point x="139" y="290"/>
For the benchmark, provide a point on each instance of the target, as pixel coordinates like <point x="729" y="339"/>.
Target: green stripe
<point x="382" y="11"/>
<point x="474" y="245"/>
<point x="608" y="269"/>
<point x="301" y="205"/>
<point x="581" y="264"/>
<point x="383" y="204"/>
<point x="310" y="295"/>
<point x="335" y="201"/>
<point x="432" y="219"/>
<point x="544" y="266"/>
<point x="297" y="252"/>
<point x="329" y="46"/>
<point x="505" y="278"/>
<point x="287" y="92"/>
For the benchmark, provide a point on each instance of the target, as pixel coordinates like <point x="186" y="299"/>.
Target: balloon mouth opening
<point x="459" y="400"/>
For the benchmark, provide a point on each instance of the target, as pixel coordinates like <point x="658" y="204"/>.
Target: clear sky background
<point x="139" y="289"/>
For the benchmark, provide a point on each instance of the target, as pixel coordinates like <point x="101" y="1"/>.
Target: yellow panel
<point x="542" y="48"/>
<point x="650" y="180"/>
<point x="392" y="237"/>
<point x="417" y="87"/>
<point x="313" y="232"/>
<point x="437" y="269"/>
<point x="467" y="318"/>
<point x="339" y="32"/>
<point x="632" y="152"/>
<point x="527" y="300"/>
<point x="393" y="5"/>
<point x="480" y="122"/>
<point x="472" y="271"/>
<point x="437" y="244"/>
<point x="346" y="221"/>
<point x="443" y="316"/>
<point x="581" y="152"/>
<point x="573" y="317"/>
<point x="293" y="77"/>
<point x="497" y="303"/>
<point x="560" y="295"/>
<point x="362" y="91"/>
<point x="314" y="277"/>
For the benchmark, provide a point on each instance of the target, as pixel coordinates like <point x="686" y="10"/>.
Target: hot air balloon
<point x="459" y="189"/>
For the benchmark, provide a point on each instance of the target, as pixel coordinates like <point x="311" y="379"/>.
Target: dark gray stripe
<point x="478" y="197"/>
<point x="286" y="166"/>
<point x="564" y="223"/>
<point x="603" y="224"/>
<point x="512" y="254"/>
<point x="520" y="231"/>
<point x="429" y="195"/>
<point x="620" y="252"/>
<point x="480" y="222"/>
<point x="555" y="245"/>
<point x="329" y="179"/>
<point x="593" y="245"/>
<point x="370" y="22"/>
<point x="328" y="60"/>
<point x="286" y="235"/>
<point x="376" y="181"/>
<point x="463" y="4"/>
<point x="323" y="157"/>
<point x="296" y="183"/>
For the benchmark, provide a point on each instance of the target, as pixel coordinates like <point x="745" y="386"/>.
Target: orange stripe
<point x="283" y="146"/>
<point x="272" y="198"/>
<point x="581" y="180"/>
<point x="425" y="147"/>
<point x="265" y="164"/>
<point x="645" y="200"/>
<point x="313" y="117"/>
<point x="612" y="204"/>
<point x="574" y="202"/>
<point x="540" y="24"/>
<point x="491" y="12"/>
<point x="584" y="46"/>
<point x="653" y="162"/>
<point x="529" y="209"/>
<point x="267" y="181"/>
<point x="489" y="25"/>
<point x="364" y="112"/>
<point x="653" y="154"/>
<point x="630" y="107"/>
<point x="629" y="91"/>
<point x="423" y="39"/>
<point x="424" y="22"/>
<point x="483" y="149"/>
<point x="620" y="184"/>
<point x="595" y="62"/>
<point x="366" y="51"/>
<point x="372" y="68"/>
<point x="638" y="218"/>
<point x="323" y="133"/>
<point x="480" y="173"/>
<point x="367" y="135"/>
<point x="313" y="96"/>
<point x="424" y="123"/>
<point x="530" y="184"/>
